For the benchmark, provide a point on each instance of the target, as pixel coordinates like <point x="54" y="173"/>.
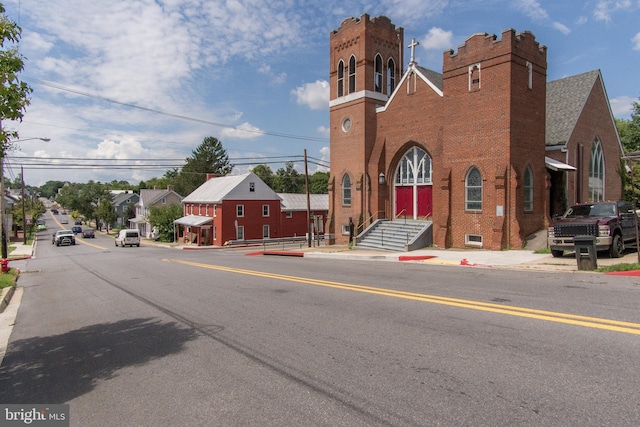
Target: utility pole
<point x="3" y="235"/>
<point x="306" y="181"/>
<point x="24" y="218"/>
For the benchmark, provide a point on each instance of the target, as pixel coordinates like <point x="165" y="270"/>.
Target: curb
<point x="7" y="293"/>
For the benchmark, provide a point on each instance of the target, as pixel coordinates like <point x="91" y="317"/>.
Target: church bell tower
<point x="366" y="57"/>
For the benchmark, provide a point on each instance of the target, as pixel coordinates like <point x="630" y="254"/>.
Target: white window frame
<point x="240" y="232"/>
<point x="239" y="211"/>
<point x="266" y="231"/>
<point x="265" y="210"/>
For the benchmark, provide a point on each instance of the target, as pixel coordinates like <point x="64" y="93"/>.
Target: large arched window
<point x="414" y="168"/>
<point x="352" y="74"/>
<point x="528" y="189"/>
<point x="346" y="190"/>
<point x="473" y="190"/>
<point x="596" y="173"/>
<point x="377" y="73"/>
<point x="341" y="78"/>
<point x="391" y="76"/>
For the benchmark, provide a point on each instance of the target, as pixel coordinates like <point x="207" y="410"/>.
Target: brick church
<point x="473" y="150"/>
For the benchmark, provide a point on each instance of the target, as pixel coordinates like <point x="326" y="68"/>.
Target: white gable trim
<point x="412" y="69"/>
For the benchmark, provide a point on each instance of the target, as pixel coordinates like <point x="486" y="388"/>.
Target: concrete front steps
<point x="397" y="235"/>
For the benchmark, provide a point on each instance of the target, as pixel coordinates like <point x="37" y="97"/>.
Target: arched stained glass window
<point x="596" y="173"/>
<point x="473" y="190"/>
<point x="346" y="190"/>
<point x="391" y="76"/>
<point x="377" y="74"/>
<point x="528" y="190"/>
<point x="352" y="74"/>
<point x="340" y="78"/>
<point x="414" y="168"/>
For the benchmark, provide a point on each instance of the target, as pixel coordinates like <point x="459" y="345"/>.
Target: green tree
<point x="288" y="180"/>
<point x="50" y="189"/>
<point x="319" y="183"/>
<point x="629" y="131"/>
<point x="14" y="94"/>
<point x="265" y="173"/>
<point x="162" y="217"/>
<point x="106" y="213"/>
<point x="208" y="157"/>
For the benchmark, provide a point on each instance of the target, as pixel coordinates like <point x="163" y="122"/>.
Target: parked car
<point x="88" y="233"/>
<point x="611" y="224"/>
<point x="76" y="229"/>
<point x="129" y="237"/>
<point x="63" y="238"/>
<point x="78" y="222"/>
<point x="41" y="227"/>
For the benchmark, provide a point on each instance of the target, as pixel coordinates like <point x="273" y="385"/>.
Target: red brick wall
<point x="350" y="151"/>
<point x="595" y="122"/>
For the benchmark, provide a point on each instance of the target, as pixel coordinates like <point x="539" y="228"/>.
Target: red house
<point x="241" y="208"/>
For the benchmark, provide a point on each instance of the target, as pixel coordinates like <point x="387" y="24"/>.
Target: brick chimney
<point x="211" y="176"/>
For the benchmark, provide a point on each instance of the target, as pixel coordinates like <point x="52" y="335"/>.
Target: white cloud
<point x="324" y="131"/>
<point x="532" y="9"/>
<point x="127" y="148"/>
<point x="408" y="11"/>
<point x="581" y="20"/>
<point x="243" y="131"/>
<point x="622" y="106"/>
<point x="636" y="42"/>
<point x="561" y="27"/>
<point x="605" y="8"/>
<point x="313" y="95"/>
<point x="437" y="39"/>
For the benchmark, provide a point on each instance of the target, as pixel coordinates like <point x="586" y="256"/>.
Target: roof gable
<point x="232" y="187"/>
<point x="433" y="79"/>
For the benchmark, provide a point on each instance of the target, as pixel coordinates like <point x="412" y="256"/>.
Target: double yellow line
<point x="551" y="316"/>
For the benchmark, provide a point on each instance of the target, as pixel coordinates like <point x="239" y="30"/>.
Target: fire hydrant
<point x="4" y="264"/>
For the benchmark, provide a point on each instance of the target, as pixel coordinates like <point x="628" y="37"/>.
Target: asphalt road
<point x="160" y="337"/>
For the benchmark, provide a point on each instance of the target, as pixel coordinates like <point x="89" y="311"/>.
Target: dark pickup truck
<point x="613" y="224"/>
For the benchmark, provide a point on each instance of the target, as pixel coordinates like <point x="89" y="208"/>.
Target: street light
<point x="3" y="234"/>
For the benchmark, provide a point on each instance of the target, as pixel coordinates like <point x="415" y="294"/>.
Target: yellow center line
<point x="571" y="319"/>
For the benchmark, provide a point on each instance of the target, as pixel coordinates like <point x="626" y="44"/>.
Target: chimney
<point x="211" y="176"/>
<point x="170" y="187"/>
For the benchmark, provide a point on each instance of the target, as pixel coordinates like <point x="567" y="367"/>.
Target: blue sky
<point x="117" y="82"/>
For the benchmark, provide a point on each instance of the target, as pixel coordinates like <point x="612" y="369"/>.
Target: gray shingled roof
<point x="298" y="202"/>
<point x="566" y="99"/>
<point x="433" y="76"/>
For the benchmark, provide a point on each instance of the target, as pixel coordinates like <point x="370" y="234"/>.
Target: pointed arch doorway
<point x="413" y="186"/>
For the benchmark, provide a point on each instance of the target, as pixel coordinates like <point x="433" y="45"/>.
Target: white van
<point x="129" y="237"/>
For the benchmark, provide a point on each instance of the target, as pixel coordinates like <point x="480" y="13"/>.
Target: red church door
<point x="406" y="201"/>
<point x="413" y="190"/>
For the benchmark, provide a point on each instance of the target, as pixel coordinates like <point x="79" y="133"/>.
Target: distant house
<point x="121" y="202"/>
<point x="294" y="213"/>
<point x="148" y="199"/>
<point x="243" y="207"/>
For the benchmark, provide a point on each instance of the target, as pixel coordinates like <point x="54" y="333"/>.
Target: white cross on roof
<point x="412" y="46"/>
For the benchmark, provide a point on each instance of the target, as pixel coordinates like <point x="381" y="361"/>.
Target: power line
<point x="177" y="116"/>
